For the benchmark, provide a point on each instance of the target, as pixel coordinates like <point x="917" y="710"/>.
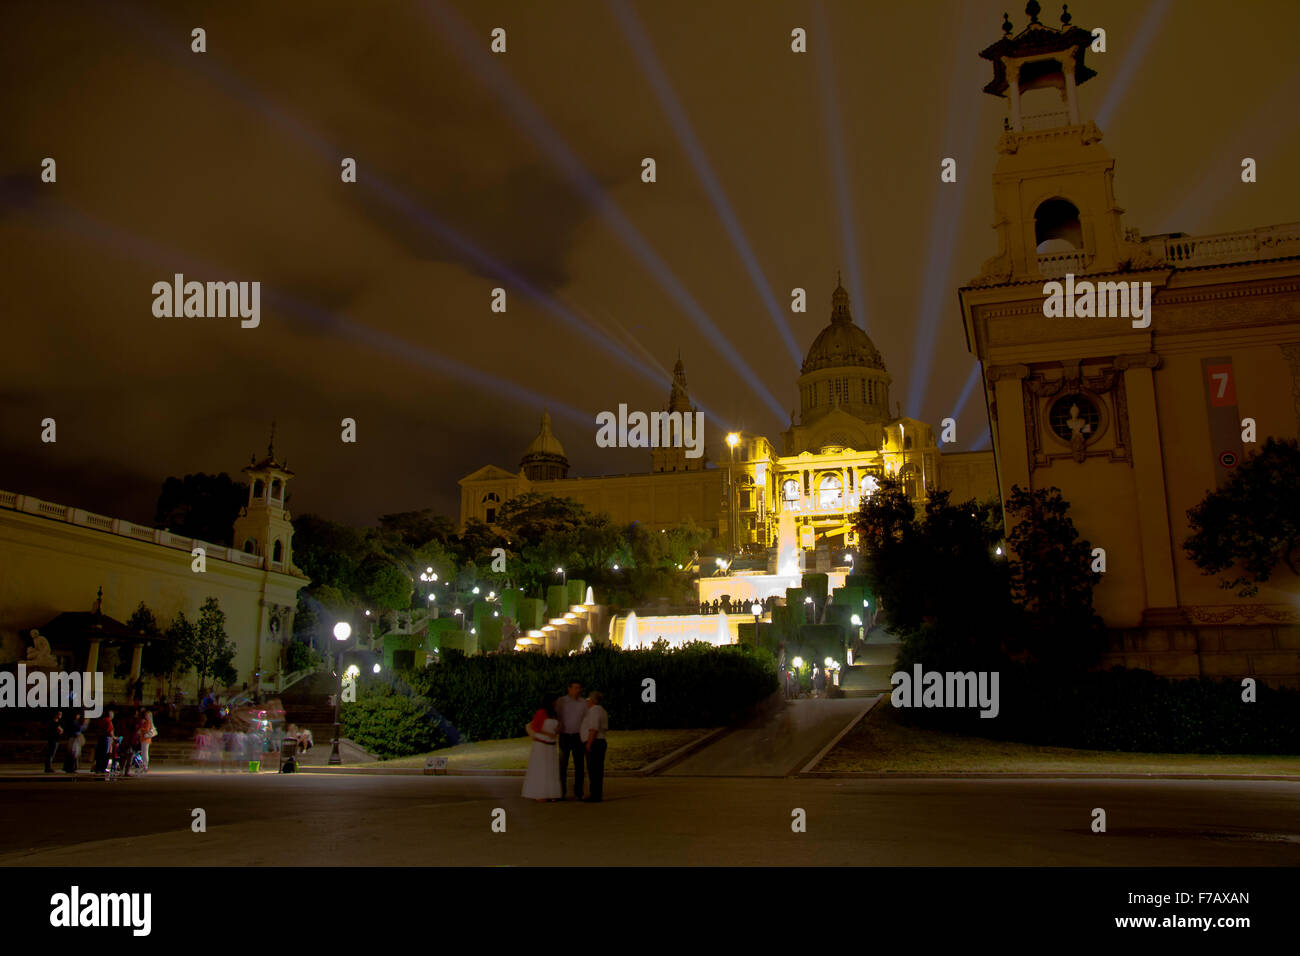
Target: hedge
<point x="1128" y="710"/>
<point x="493" y="697"/>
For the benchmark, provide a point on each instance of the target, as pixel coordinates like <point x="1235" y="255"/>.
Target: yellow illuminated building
<point x="845" y="440"/>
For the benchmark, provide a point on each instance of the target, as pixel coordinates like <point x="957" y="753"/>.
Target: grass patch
<point x="882" y="742"/>
<point x="628" y="750"/>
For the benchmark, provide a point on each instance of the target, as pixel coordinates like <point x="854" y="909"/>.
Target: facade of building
<point x="1134" y="417"/>
<point x="846" y="438"/>
<point x="93" y="571"/>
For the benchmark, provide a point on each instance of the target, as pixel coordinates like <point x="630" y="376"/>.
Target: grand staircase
<point x="871" y="670"/>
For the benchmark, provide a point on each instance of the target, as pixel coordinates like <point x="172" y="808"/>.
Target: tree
<point x="206" y="647"/>
<point x="1253" y="521"/>
<point x="201" y="506"/>
<point x="383" y="584"/>
<point x="416" y="529"/>
<point x="939" y="567"/>
<point x="1052" y="579"/>
<point x="328" y="552"/>
<point x="159" y="657"/>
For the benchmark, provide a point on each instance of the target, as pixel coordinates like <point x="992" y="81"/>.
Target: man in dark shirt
<point x="52" y="738"/>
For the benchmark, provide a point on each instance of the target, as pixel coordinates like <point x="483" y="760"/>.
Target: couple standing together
<point x="577" y="727"/>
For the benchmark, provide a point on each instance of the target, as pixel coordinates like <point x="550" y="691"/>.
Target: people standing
<point x="542" y="779"/>
<point x="148" y="732"/>
<point x="53" y="734"/>
<point x="75" y="741"/>
<point x="570" y="709"/>
<point x="104" y="749"/>
<point x="130" y="741"/>
<point x="595" y="724"/>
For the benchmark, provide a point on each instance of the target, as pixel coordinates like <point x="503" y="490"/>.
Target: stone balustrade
<point x="119" y="526"/>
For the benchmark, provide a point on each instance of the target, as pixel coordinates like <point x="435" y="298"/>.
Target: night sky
<point x="524" y="170"/>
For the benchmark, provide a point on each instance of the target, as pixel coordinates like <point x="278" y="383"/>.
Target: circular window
<point x="1074" y="413"/>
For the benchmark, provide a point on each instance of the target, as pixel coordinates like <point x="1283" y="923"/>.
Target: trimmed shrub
<point x="816" y="585"/>
<point x="530" y="613"/>
<point x="817" y="642"/>
<point x="388" y="723"/>
<point x="492" y="697"/>
<point x="577" y="591"/>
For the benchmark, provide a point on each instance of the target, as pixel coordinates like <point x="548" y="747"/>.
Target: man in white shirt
<point x="570" y="709"/>
<point x="595" y="724"/>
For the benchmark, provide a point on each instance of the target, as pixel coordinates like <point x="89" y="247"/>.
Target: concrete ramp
<point x="776" y="745"/>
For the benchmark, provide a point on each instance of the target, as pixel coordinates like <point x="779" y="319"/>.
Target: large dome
<point x="842" y="344"/>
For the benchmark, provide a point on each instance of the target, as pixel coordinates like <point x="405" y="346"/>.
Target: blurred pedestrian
<point x="53" y="734"/>
<point x="76" y="739"/>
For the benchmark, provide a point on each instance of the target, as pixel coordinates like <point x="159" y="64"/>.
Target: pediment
<point x="489" y="473"/>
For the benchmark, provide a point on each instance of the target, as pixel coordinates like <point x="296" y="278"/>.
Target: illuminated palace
<point x="845" y="440"/>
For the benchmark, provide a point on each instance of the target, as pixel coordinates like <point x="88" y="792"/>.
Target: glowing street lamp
<point x="342" y="631"/>
<point x="733" y="499"/>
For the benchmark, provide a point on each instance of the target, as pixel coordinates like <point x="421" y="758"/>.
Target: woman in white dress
<point x="542" y="781"/>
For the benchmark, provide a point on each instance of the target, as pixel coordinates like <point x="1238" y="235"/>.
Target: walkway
<point x="777" y="745"/>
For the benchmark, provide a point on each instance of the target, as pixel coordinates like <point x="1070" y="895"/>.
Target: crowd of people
<point x="120" y="739"/>
<point x="570" y="726"/>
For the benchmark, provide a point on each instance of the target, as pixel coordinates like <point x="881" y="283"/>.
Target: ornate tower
<point x="263" y="526"/>
<point x="544" y="460"/>
<point x="1053" y="190"/>
<point x="679" y="400"/>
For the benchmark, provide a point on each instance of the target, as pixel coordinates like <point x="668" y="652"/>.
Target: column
<point x="1013" y="92"/>
<point x="1149" y="479"/>
<point x="92" y="658"/>
<point x="137" y="663"/>
<point x="1071" y="94"/>
<point x="1011" y="448"/>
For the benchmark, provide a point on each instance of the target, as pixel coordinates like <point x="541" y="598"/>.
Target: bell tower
<point x="679" y="401"/>
<point x="1053" y="188"/>
<point x="263" y="526"/>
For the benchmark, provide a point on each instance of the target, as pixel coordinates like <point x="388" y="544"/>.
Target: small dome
<point x="842" y="343"/>
<point x="545" y="443"/>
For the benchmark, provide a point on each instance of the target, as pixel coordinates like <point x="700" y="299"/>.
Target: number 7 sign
<point x="1223" y="388"/>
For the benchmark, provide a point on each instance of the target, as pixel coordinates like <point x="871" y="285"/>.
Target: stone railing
<point x="1269" y="242"/>
<point x="1055" y="264"/>
<point x="118" y="526"/>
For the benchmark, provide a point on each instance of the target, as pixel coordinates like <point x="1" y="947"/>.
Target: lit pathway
<point x="774" y="746"/>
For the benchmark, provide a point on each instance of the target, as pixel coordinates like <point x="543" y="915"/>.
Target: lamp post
<point x="733" y="501"/>
<point x="756" y="609"/>
<point x="342" y="631"/>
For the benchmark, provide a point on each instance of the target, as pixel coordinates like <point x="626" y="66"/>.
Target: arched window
<point x="1056" y="227"/>
<point x="491" y="501"/>
<point x="250" y="546"/>
<point x="907" y="442"/>
<point x="277" y="551"/>
<point x="790" y="491"/>
<point x="259" y="488"/>
<point x="277" y="489"/>
<point x="830" y="493"/>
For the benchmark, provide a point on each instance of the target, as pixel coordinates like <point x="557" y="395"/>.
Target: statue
<point x="1078" y="433"/>
<point x="40" y="654"/>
